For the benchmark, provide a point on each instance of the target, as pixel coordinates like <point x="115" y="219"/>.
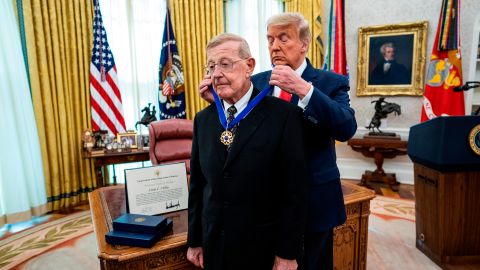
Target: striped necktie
<point x="231" y="115"/>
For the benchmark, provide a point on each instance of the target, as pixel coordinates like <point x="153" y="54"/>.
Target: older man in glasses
<point x="247" y="195"/>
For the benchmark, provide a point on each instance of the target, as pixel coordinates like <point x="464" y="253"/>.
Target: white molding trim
<point x="354" y="168"/>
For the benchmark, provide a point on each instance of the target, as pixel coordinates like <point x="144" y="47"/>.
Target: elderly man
<point x="247" y="200"/>
<point x="323" y="96"/>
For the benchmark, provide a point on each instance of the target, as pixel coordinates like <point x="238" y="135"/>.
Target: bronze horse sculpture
<point x="382" y="109"/>
<point x="148" y="116"/>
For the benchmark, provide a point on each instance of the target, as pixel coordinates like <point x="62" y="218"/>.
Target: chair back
<point x="171" y="141"/>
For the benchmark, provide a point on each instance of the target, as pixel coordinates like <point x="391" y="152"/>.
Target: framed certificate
<point x="156" y="190"/>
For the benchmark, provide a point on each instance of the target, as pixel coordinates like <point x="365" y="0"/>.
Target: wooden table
<point x="108" y="203"/>
<point x="102" y="159"/>
<point x="379" y="148"/>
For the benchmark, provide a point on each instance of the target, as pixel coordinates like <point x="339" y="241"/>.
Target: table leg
<point x="379" y="175"/>
<point x="98" y="175"/>
<point x="392" y="182"/>
<point x="379" y="162"/>
<point x="114" y="175"/>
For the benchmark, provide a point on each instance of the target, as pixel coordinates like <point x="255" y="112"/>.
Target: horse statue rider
<point x="148" y="116"/>
<point x="382" y="109"/>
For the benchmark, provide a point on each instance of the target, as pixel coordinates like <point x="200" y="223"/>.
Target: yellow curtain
<point x="195" y="22"/>
<point x="312" y="11"/>
<point x="59" y="39"/>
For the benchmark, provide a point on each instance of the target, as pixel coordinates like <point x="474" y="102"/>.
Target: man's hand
<point x="195" y="256"/>
<point x="204" y="89"/>
<point x="284" y="264"/>
<point x="286" y="79"/>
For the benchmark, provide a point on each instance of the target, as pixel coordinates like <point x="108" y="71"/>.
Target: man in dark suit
<point x="388" y="70"/>
<point x="323" y="96"/>
<point x="247" y="199"/>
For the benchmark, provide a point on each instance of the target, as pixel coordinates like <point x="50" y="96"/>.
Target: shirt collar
<point x="241" y="104"/>
<point x="302" y="67"/>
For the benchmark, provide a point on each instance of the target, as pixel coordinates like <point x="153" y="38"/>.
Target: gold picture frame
<point x="409" y="43"/>
<point x="130" y="136"/>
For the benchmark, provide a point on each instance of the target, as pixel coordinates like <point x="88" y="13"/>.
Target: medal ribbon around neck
<point x="241" y="115"/>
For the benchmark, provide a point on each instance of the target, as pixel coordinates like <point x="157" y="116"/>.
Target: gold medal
<point x="226" y="138"/>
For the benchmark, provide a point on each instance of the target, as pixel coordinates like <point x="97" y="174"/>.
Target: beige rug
<point x="391" y="236"/>
<point x="393" y="208"/>
<point x="69" y="243"/>
<point x="66" y="243"/>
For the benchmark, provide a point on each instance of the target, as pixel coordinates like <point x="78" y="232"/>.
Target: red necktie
<point x="285" y="95"/>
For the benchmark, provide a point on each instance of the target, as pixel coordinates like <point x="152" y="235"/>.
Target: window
<point x="239" y="20"/>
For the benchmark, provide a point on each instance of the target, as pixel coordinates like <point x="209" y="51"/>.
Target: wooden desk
<point x="350" y="239"/>
<point x="379" y="148"/>
<point x="103" y="159"/>
<point x="108" y="203"/>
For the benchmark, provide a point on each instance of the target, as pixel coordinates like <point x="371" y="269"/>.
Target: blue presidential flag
<point x="171" y="94"/>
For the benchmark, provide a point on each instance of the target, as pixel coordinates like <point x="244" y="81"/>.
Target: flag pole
<point x="99" y="29"/>
<point x="169" y="57"/>
<point x="168" y="34"/>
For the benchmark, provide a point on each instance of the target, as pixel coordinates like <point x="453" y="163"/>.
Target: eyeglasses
<point x="224" y="65"/>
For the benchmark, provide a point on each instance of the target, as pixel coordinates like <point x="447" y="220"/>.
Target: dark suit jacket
<point x="328" y="117"/>
<point x="396" y="74"/>
<point x="249" y="205"/>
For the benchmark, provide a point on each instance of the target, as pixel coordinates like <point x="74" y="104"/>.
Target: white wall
<point x="361" y="13"/>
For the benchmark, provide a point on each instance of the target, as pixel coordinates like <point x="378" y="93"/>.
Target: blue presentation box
<point x="139" y="223"/>
<point x="116" y="237"/>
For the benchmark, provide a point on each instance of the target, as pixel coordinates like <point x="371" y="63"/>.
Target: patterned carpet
<point x="66" y="243"/>
<point x="391" y="236"/>
<point x="392" y="208"/>
<point x="69" y="243"/>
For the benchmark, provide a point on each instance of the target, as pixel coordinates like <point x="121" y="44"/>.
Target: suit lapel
<point x="215" y="131"/>
<point x="246" y="129"/>
<point x="309" y="74"/>
<point x="264" y="83"/>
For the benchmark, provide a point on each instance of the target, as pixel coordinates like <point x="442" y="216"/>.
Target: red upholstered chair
<point x="171" y="141"/>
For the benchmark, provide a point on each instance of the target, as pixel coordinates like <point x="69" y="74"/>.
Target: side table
<point x="379" y="148"/>
<point x="103" y="159"/>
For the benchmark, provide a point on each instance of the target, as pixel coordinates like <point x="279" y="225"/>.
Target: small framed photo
<point x="100" y="138"/>
<point x="391" y="59"/>
<point x="129" y="138"/>
<point x="146" y="142"/>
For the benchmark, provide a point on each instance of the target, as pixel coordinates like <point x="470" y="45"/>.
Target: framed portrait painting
<point x="391" y="59"/>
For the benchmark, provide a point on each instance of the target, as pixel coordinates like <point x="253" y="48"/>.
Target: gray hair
<point x="384" y="47"/>
<point x="292" y="18"/>
<point x="243" y="48"/>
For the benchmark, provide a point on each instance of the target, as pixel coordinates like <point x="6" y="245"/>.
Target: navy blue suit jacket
<point x="328" y="117"/>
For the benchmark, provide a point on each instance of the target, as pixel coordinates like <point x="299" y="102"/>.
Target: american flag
<point x="105" y="97"/>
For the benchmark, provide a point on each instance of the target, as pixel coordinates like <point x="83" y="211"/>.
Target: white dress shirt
<point x="302" y="103"/>
<point x="239" y="105"/>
